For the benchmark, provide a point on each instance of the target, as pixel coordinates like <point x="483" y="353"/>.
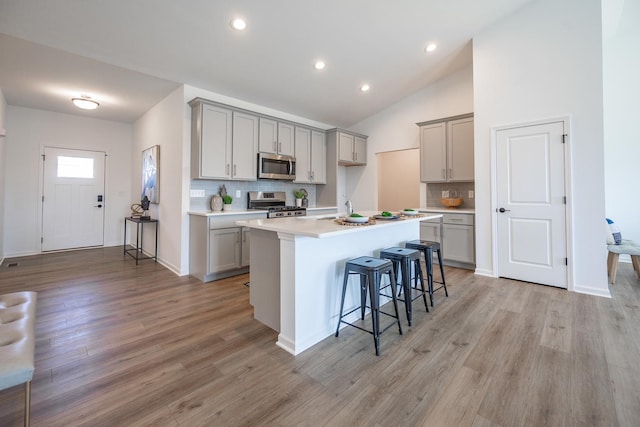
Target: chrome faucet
<point x="349" y="207"/>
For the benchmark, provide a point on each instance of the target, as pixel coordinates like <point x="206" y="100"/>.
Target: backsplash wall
<point x="240" y="203"/>
<point x="434" y="192"/>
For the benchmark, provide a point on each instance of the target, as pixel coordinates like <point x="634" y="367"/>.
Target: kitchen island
<point x="297" y="267"/>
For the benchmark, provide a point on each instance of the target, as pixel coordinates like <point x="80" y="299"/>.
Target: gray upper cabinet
<point x="352" y="148"/>
<point x="224" y="142"/>
<point x="311" y="153"/>
<point x="446" y="149"/>
<point x="245" y="146"/>
<point x="211" y="133"/>
<point x="276" y="137"/>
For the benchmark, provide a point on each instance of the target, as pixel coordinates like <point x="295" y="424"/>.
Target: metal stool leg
<point x="344" y="292"/>
<point x="418" y="274"/>
<point x="444" y="284"/>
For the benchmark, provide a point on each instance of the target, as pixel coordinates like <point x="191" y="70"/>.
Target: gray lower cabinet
<point x="457" y="238"/>
<point x="218" y="248"/>
<point x="224" y="249"/>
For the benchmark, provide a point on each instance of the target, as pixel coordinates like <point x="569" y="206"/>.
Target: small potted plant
<point x="226" y="202"/>
<point x="299" y="194"/>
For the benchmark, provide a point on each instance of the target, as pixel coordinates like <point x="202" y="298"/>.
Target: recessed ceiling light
<point x="238" y="24"/>
<point x="85" y="102"/>
<point x="365" y="87"/>
<point x="430" y="47"/>
<point x="319" y="65"/>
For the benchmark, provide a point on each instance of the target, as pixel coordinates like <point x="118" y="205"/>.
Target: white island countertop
<point x="325" y="225"/>
<point x="298" y="267"/>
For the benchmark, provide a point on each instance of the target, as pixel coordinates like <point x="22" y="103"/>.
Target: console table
<point x="140" y="223"/>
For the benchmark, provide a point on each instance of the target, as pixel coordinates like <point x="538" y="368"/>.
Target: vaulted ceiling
<point x="128" y="55"/>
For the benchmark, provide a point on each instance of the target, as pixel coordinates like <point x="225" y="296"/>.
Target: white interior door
<point x="531" y="205"/>
<point x="73" y="199"/>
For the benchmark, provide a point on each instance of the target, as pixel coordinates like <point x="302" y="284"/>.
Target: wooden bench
<point x="627" y="247"/>
<point x="17" y="343"/>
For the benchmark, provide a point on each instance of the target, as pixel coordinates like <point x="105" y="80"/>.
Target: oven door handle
<point x="290" y="167"/>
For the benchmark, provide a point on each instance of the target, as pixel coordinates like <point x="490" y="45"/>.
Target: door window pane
<point x="75" y="167"/>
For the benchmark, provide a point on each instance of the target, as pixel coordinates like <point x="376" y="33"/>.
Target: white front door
<point x="72" y="199"/>
<point x="531" y="209"/>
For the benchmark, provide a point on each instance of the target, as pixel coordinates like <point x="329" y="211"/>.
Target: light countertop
<point x="248" y="212"/>
<point x="325" y="225"/>
<point x="448" y="210"/>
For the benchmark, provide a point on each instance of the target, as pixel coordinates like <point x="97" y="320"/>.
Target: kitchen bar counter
<point x="310" y="211"/>
<point x="297" y="265"/>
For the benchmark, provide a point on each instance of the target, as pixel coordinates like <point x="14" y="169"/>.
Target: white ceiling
<point x="128" y="54"/>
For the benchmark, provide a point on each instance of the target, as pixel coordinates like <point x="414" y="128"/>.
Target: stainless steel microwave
<point x="275" y="166"/>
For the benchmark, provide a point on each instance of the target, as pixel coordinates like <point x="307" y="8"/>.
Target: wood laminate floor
<point x="120" y="345"/>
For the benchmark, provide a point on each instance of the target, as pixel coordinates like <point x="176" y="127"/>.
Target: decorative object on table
<point x="409" y="212"/>
<point x="136" y="210"/>
<point x="356" y="218"/>
<point x="386" y="215"/>
<point x="451" y="202"/>
<point x="305" y="200"/>
<point x="151" y="173"/>
<point x="299" y="194"/>
<point x="144" y="203"/>
<point x="216" y="203"/>
<point x="226" y="198"/>
<point x="343" y="221"/>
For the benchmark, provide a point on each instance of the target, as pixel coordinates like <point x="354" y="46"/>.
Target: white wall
<point x="543" y="62"/>
<point x="395" y="129"/>
<point x="28" y="131"/>
<point x="3" y="166"/>
<point x="621" y="57"/>
<point x="162" y="125"/>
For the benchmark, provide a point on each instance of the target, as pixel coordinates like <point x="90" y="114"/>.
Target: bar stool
<point x="370" y="271"/>
<point x="427" y="248"/>
<point x="403" y="258"/>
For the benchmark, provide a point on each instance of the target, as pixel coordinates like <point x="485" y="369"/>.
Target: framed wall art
<point x="150" y="173"/>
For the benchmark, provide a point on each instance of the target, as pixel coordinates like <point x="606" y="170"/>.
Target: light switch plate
<point x="196" y="193"/>
<point x="238" y="194"/>
<point x="445" y="194"/>
<point x="471" y="194"/>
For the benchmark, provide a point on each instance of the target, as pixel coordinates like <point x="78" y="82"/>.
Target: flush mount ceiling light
<point x="430" y="47"/>
<point x="364" y="88"/>
<point x="318" y="65"/>
<point x="238" y="24"/>
<point x="85" y="102"/>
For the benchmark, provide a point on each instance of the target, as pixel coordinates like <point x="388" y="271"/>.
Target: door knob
<point x="97" y="206"/>
<point x="503" y="210"/>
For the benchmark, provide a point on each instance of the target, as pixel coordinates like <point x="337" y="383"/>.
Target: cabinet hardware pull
<point x="442" y="174"/>
<point x="450" y="173"/>
<point x="226" y="169"/>
<point x="275" y="145"/>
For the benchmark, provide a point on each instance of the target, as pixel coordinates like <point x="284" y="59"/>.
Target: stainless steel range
<point x="274" y="202"/>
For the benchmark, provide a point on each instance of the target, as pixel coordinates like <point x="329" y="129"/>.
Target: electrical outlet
<point x="471" y="194"/>
<point x="445" y="194"/>
<point x="238" y="194"/>
<point x="196" y="193"/>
